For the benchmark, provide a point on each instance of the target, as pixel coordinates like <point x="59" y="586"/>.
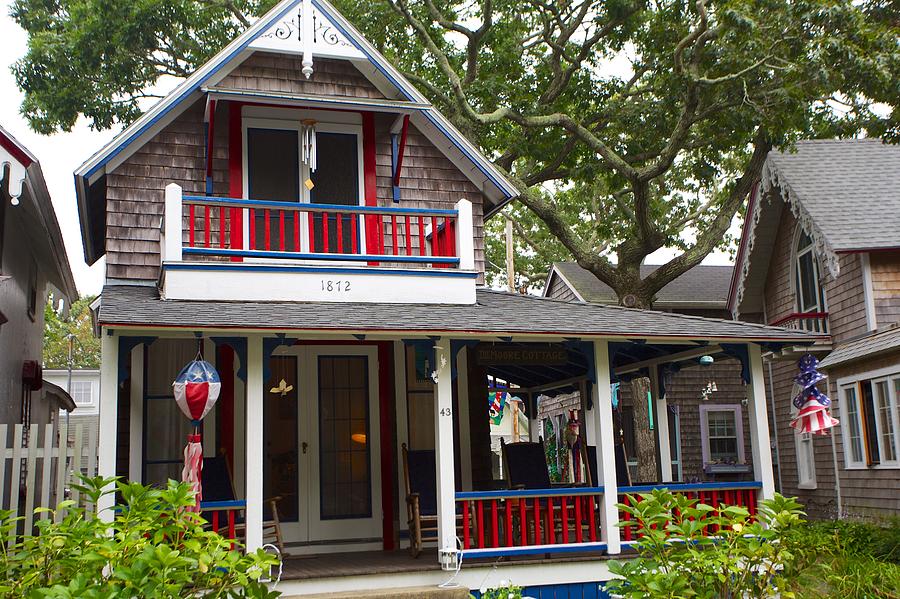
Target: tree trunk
<point x="644" y="437"/>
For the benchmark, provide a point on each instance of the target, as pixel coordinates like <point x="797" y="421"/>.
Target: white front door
<point x="337" y="445"/>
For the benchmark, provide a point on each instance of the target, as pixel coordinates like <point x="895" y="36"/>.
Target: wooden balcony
<point x="814" y="322"/>
<point x="337" y="252"/>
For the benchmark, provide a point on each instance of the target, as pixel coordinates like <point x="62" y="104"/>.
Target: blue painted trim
<point x="239" y="345"/>
<point x="275" y="205"/>
<point x="536" y="550"/>
<point x="219" y="505"/>
<point x="693" y="487"/>
<point x="319" y="269"/>
<point x="563" y="491"/>
<point x="313" y="256"/>
<point x="187" y="91"/>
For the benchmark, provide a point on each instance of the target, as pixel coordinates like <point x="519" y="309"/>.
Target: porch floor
<point x="329" y="565"/>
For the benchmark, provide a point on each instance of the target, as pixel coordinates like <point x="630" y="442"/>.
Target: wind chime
<point x="812" y="405"/>
<point x="196" y="390"/>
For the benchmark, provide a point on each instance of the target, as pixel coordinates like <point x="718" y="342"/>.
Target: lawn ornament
<point x="196" y="390"/>
<point x="812" y="405"/>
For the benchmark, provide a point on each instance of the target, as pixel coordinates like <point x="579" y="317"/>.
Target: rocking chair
<point x="525" y="464"/>
<point x="218" y="486"/>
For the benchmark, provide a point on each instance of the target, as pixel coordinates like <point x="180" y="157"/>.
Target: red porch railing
<point x="717" y="495"/>
<point x="815" y="322"/>
<point x="515" y="522"/>
<point x="239" y="228"/>
<point x="222" y="516"/>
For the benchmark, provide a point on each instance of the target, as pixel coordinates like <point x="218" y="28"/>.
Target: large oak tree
<point x="628" y="125"/>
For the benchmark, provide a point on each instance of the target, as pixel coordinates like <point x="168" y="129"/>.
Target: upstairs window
<point x="810" y="293"/>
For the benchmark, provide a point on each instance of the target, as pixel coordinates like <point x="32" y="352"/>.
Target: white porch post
<point x="759" y="424"/>
<point x="606" y="447"/>
<point x="465" y="235"/>
<point x="443" y="442"/>
<point x="109" y="399"/>
<point x="254" y="442"/>
<point x="662" y="426"/>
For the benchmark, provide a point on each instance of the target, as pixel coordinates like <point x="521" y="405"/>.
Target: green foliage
<point x="749" y="557"/>
<point x="86" y="348"/>
<point x="506" y="590"/>
<point x="153" y="548"/>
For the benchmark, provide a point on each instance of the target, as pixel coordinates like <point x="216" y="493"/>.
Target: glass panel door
<point x="273" y="173"/>
<point x="336" y="182"/>
<point x="280" y="461"/>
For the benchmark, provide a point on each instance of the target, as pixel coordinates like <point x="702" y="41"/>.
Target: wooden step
<point x="430" y="592"/>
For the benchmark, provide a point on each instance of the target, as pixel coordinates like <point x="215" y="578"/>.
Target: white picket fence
<point x="38" y="470"/>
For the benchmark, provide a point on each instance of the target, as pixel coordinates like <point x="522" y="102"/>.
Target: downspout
<point x="775" y="424"/>
<point x="837" y="478"/>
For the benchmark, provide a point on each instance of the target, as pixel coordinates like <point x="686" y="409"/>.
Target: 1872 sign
<point x="518" y="354"/>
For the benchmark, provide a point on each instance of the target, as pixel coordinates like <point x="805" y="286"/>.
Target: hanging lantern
<point x="812" y="405"/>
<point x="196" y="390"/>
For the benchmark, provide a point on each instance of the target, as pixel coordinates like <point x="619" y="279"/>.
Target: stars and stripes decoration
<point x="196" y="390"/>
<point x="812" y="405"/>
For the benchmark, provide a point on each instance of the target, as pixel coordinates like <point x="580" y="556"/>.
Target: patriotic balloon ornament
<point x="196" y="390"/>
<point x="812" y="405"/>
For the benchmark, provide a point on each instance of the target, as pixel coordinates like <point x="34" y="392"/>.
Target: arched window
<point x="810" y="292"/>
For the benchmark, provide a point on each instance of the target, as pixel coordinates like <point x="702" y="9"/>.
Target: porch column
<point x="606" y="447"/>
<point x="759" y="424"/>
<point x="109" y="400"/>
<point x="443" y="443"/>
<point x="254" y="442"/>
<point x="662" y="425"/>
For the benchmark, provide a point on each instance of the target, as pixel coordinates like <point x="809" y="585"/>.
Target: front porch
<point x="319" y="418"/>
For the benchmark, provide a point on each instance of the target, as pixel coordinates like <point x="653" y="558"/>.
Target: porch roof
<point x="494" y="313"/>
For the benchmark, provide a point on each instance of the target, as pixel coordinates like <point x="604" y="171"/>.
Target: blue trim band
<point x="693" y="487"/>
<point x="536" y="550"/>
<point x="220" y="505"/>
<point x="213" y="266"/>
<point x="303" y="207"/>
<point x="512" y="494"/>
<point x="326" y="257"/>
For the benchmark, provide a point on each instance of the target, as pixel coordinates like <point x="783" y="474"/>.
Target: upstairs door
<point x="273" y="174"/>
<point x="337" y="181"/>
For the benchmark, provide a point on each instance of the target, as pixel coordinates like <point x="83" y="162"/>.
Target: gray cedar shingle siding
<point x="885" y="268"/>
<point x="557" y="289"/>
<point x="135" y="189"/>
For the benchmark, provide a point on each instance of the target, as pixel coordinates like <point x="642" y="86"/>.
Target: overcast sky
<point x="62" y="153"/>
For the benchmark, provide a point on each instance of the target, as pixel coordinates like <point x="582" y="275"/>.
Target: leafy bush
<point x="154" y="547"/>
<point x="679" y="558"/>
<point x="506" y="590"/>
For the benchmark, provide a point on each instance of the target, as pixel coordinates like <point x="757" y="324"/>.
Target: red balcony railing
<point x="239" y="229"/>
<point x="517" y="522"/>
<point x="814" y="322"/>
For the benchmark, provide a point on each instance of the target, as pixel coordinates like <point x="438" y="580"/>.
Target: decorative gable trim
<point x="328" y="41"/>
<point x="772" y="180"/>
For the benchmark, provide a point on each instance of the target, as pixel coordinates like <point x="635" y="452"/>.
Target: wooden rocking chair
<point x="218" y="486"/>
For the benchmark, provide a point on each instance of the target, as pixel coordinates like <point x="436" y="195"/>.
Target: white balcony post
<point x="465" y="235"/>
<point x="171" y="242"/>
<point x="444" y="467"/>
<point x="109" y="402"/>
<point x="254" y="443"/>
<point x="759" y="423"/>
<point x="662" y="426"/>
<point x="606" y="447"/>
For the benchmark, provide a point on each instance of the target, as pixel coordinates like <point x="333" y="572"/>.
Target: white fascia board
<point x="281" y="99"/>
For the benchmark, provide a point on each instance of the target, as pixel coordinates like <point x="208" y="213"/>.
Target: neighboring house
<point x="32" y="264"/>
<point x="85" y="394"/>
<point x="336" y="288"/>
<point x="820" y="252"/>
<point x="709" y="432"/>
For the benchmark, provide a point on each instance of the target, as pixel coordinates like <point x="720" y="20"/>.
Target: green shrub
<point x="677" y="559"/>
<point x="506" y="590"/>
<point x="154" y="547"/>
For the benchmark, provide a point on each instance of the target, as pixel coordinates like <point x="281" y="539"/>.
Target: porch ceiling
<point x="494" y="314"/>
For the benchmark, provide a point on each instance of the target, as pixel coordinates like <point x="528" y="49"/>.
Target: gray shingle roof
<point x="850" y="188"/>
<point x="703" y="286"/>
<point x="864" y="347"/>
<point x="494" y="313"/>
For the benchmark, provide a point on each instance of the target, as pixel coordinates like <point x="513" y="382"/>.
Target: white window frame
<point x="890" y="375"/>
<point x="736" y="409"/>
<point x="90" y="393"/>
<point x="806" y="460"/>
<point x="821" y="304"/>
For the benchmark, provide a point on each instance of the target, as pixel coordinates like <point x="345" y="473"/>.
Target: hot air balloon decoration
<point x="812" y="405"/>
<point x="196" y="390"/>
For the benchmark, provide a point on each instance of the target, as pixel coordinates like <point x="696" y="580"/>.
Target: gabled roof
<point x="494" y="313"/>
<point x="478" y="168"/>
<point x="704" y="286"/>
<point x="845" y="194"/>
<point x="34" y="210"/>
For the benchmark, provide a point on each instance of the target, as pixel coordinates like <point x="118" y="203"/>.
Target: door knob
<point x="305" y="446"/>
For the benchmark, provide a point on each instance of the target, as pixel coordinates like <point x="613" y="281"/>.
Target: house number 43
<point x="339" y="286"/>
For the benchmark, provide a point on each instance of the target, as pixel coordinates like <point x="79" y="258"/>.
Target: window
<point x="722" y="431"/>
<point x="870" y="410"/>
<point x="809" y="290"/>
<point x="82" y="392"/>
